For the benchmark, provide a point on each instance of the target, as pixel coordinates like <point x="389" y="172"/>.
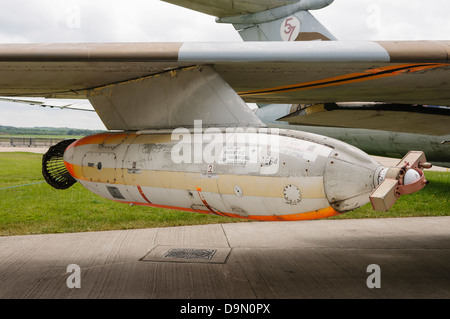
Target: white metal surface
<point x="285" y="176"/>
<point x="172" y="99"/>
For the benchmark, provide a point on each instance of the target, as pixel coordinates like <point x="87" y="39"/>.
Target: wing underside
<point x="225" y="8"/>
<point x="262" y="72"/>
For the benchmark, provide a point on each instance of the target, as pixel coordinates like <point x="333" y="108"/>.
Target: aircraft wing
<point x="260" y="72"/>
<point x="225" y="8"/>
<point x="58" y="103"/>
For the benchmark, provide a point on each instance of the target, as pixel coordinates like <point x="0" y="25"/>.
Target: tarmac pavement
<point x="320" y="259"/>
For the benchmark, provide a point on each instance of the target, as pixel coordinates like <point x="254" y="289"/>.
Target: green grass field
<point x="40" y="209"/>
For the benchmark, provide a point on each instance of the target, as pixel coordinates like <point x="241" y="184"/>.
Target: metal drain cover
<point x="188" y="254"/>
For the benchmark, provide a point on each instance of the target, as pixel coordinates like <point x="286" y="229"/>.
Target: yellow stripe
<point x="264" y="186"/>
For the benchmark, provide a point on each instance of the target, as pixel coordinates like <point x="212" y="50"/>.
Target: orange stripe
<point x="317" y="214"/>
<point x="202" y="198"/>
<point x="70" y="169"/>
<point x="142" y="194"/>
<point x="367" y="75"/>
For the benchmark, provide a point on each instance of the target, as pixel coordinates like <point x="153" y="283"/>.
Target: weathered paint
<point x="296" y="180"/>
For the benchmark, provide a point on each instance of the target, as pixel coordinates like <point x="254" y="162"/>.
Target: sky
<point x="54" y="21"/>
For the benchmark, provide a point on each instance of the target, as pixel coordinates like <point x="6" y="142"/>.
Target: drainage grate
<point x="205" y="254"/>
<point x="209" y="255"/>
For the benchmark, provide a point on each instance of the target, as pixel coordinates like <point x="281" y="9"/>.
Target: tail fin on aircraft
<point x="301" y="26"/>
<point x="288" y="23"/>
<point x="266" y="20"/>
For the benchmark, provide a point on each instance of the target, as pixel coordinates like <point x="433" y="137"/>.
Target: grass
<point x="40" y="209"/>
<point x="433" y="200"/>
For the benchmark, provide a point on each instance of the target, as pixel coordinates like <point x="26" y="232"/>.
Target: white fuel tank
<point x="249" y="173"/>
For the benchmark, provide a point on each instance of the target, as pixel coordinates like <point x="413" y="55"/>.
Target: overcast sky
<point x="28" y="21"/>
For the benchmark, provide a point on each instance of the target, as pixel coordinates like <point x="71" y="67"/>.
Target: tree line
<point x="17" y="131"/>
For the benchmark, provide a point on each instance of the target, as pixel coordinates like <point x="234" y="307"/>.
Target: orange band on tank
<point x="142" y="194"/>
<point x="317" y="214"/>
<point x="70" y="168"/>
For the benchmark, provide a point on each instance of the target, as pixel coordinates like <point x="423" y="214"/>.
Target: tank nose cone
<point x="350" y="177"/>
